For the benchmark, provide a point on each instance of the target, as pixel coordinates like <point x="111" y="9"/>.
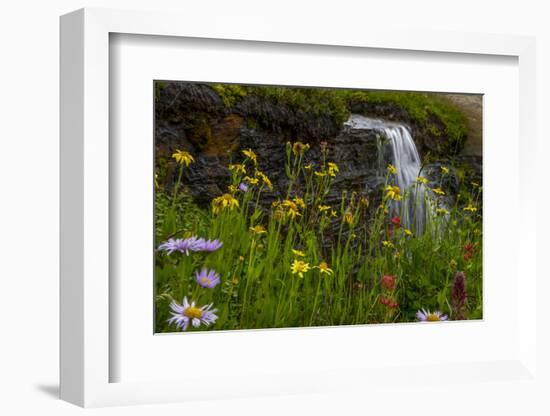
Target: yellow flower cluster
<point x="251" y="181"/>
<point x="392" y="169"/>
<point x="333" y="169"/>
<point x="226" y="201"/>
<point x="299" y="202"/>
<point x="470" y="208"/>
<point x="393" y="192"/>
<point x="238" y="168"/>
<point x="438" y="191"/>
<point x="387" y="244"/>
<point x="287" y="207"/>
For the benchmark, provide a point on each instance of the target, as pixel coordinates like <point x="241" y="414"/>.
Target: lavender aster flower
<point x="243" y="187"/>
<point x="208" y="245"/>
<point x="427" y="316"/>
<point x="181" y="245"/>
<point x="187" y="313"/>
<point x="207" y="278"/>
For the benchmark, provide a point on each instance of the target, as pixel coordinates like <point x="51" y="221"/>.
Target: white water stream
<point x="413" y="208"/>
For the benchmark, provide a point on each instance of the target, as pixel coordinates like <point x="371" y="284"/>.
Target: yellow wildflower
<point x="323" y="208"/>
<point x="252" y="181"/>
<point x="444" y="170"/>
<point x="320" y="174"/>
<point x="308" y="167"/>
<point x="299" y="267"/>
<point x="293" y="213"/>
<point x="183" y="157"/>
<point x="224" y="201"/>
<point x="387" y="244"/>
<point x="292" y="208"/>
<point x="324" y="269"/>
<point x="407" y="232"/>
<point x="348" y="217"/>
<point x="234" y="280"/>
<point x="249" y="153"/>
<point x="258" y="229"/>
<point x="438" y="191"/>
<point x="264" y="179"/>
<point x="237" y="168"/>
<point x="442" y="211"/>
<point x="393" y="192"/>
<point x="333" y="169"/>
<point x="298" y="253"/>
<point x="298" y="148"/>
<point x="232" y="189"/>
<point x="392" y="169"/>
<point x="470" y="208"/>
<point x="364" y="201"/>
<point x="333" y="213"/>
<point x="300" y="202"/>
<point x="421" y="179"/>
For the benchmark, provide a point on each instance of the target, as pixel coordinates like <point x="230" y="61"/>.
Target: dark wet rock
<point x="280" y="118"/>
<point x="193" y="117"/>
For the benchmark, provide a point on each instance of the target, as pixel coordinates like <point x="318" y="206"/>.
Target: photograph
<point x="293" y="206"/>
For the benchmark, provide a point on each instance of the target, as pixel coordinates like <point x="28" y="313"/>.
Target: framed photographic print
<point x="291" y="213"/>
<point x="295" y="207"/>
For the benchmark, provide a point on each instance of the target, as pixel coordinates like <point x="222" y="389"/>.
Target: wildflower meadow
<point x="304" y="262"/>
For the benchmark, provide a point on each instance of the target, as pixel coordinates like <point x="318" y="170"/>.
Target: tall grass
<point x="305" y="263"/>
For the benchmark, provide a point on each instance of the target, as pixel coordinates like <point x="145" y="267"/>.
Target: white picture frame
<point x="85" y="213"/>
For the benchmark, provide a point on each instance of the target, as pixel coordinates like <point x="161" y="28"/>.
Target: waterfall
<point x="402" y="154"/>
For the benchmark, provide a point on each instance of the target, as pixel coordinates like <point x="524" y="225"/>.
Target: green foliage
<point x="431" y="112"/>
<point x="316" y="101"/>
<point x="421" y="107"/>
<point x="259" y="262"/>
<point x="230" y="93"/>
<point x="176" y="216"/>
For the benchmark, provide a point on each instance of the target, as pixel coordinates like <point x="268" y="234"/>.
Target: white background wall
<point x="29" y="180"/>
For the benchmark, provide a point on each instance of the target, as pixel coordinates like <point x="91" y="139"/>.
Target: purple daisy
<point x="243" y="187"/>
<point x="182" y="245"/>
<point x="427" y="316"/>
<point x="185" y="313"/>
<point x="208" y="245"/>
<point x="207" y="278"/>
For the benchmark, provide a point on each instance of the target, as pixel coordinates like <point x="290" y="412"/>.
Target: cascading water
<point x="413" y="208"/>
